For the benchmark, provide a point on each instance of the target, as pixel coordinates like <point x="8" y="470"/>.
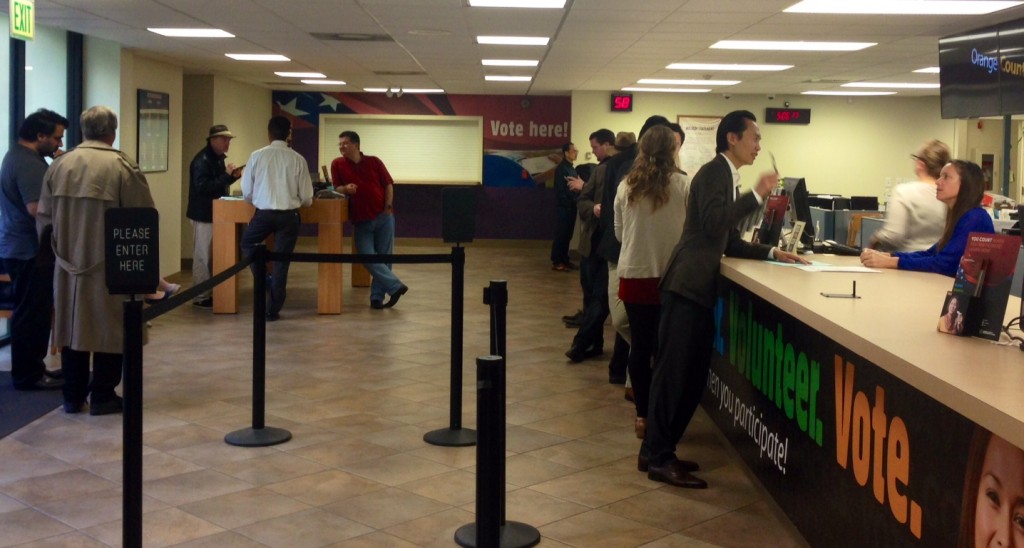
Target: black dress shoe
<point x="576" y="354"/>
<point x="54" y="373"/>
<point x="273" y="316"/>
<point x="44" y="383"/>
<point x="106" y="407"/>
<point x="71" y="407"/>
<point x="616" y="379"/>
<point x="674" y="473"/>
<point x="574" y="324"/>
<point x="643" y="466"/>
<point x="575" y="317"/>
<point x="593" y="353"/>
<point x="376" y="304"/>
<point x="396" y="295"/>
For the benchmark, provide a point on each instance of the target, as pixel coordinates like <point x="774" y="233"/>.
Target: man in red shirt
<point x="371" y="191"/>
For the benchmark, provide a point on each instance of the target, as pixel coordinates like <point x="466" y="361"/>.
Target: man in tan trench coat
<point x="77" y="189"/>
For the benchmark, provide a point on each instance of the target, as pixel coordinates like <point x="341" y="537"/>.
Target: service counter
<point x="857" y="415"/>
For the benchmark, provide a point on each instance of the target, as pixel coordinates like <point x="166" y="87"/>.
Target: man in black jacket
<point x="209" y="179"/>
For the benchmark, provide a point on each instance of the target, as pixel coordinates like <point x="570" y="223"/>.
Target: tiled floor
<point x="358" y="391"/>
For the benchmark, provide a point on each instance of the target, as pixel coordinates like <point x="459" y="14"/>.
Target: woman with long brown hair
<point x="961" y="186"/>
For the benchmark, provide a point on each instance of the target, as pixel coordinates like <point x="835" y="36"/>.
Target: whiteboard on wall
<point x="443" y="150"/>
<point x="699" y="147"/>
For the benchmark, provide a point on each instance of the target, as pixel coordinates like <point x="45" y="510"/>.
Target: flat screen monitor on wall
<point x="969" y="77"/>
<point x="799" y="207"/>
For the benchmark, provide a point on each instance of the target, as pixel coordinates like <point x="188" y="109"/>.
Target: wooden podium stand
<point x="230" y="215"/>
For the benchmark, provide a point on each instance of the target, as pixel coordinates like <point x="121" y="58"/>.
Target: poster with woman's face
<point x="993" y="494"/>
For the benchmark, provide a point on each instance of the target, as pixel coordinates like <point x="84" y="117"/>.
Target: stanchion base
<point x="447" y="437"/>
<point x="258" y="437"/>
<point x="513" y="535"/>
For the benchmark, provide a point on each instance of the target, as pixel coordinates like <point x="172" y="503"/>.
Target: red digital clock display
<point x="622" y="102"/>
<point x="795" y="116"/>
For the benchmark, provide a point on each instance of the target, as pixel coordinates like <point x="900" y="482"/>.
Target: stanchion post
<point x="259" y="435"/>
<point x="455" y="435"/>
<point x="131" y="526"/>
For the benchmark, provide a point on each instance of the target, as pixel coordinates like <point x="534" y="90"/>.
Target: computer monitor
<point x="864" y="203"/>
<point x="799" y="207"/>
<point x="774" y="219"/>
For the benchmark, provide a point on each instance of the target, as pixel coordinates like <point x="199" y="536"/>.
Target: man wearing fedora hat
<point x="209" y="179"/>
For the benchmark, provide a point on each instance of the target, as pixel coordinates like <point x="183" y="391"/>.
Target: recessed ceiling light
<point x="849" y="93"/>
<point x="324" y="82"/>
<point x="193" y="33"/>
<point x="900" y="7"/>
<point x="300" y="74"/>
<point x="499" y="78"/>
<point x="257" y="57"/>
<point x="422" y="90"/>
<point x="375" y="90"/>
<point x="773" y="45"/>
<point x="688" y="82"/>
<point x="510" y="63"/>
<point x="513" y="40"/>
<point x="890" y="85"/>
<point x="928" y="70"/>
<point x="727" y="66"/>
<point x="667" y="90"/>
<point x="556" y="4"/>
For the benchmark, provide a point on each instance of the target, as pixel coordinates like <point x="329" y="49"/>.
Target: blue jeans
<point x="377" y="237"/>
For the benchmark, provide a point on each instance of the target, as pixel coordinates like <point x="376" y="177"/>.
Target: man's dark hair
<point x="734" y="122"/>
<point x="42" y="121"/>
<point x="279" y="127"/>
<point x="353" y="137"/>
<point x="655" y="120"/>
<point x="603" y="137"/>
<point x="566" y="147"/>
<point x="678" y="129"/>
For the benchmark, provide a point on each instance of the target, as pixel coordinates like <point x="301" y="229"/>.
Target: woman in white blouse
<point x="914" y="219"/>
<point x="650" y="208"/>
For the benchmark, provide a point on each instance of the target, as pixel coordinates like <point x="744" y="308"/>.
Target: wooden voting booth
<point x="229" y="216"/>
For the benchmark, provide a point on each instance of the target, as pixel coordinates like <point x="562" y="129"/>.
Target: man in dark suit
<point x="688" y="293"/>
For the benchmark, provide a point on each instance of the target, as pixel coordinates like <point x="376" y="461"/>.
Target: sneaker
<point x="206" y="303"/>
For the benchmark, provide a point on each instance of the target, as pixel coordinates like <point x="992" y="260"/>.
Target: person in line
<point x="21" y="182"/>
<point x="276" y="182"/>
<point x="565" y="209"/>
<point x="914" y="219"/>
<point x="993" y="499"/>
<point x="688" y="291"/>
<point x="961" y="186"/>
<point x="589" y="339"/>
<point x="650" y="210"/>
<point x="78" y="189"/>
<point x="209" y="180"/>
<point x="371" y="190"/>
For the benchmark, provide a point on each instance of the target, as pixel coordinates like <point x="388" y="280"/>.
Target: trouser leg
<point x="30" y="320"/>
<point x="106" y="375"/>
<point x="202" y="255"/>
<point x="285" y="237"/>
<point x="644" y="321"/>
<point x="75" y="365"/>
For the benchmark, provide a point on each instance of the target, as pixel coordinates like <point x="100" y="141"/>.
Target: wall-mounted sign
<point x="622" y="102"/>
<point x="792" y="116"/>
<point x="154" y="116"/>
<point x="132" y="239"/>
<point x="982" y="71"/>
<point x="23" y="19"/>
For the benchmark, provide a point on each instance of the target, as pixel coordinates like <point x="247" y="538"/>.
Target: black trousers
<point x="30" y="323"/>
<point x="106" y="375"/>
<point x="565" y="222"/>
<point x="643" y="324"/>
<point x="284" y="225"/>
<point x="680" y="373"/>
<point x="591" y="331"/>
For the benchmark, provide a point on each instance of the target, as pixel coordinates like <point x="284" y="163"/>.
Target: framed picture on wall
<point x="154" y="110"/>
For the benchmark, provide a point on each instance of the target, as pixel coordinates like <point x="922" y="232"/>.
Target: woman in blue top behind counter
<point x="961" y="186"/>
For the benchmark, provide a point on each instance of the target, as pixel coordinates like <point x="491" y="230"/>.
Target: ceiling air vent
<point x="351" y="37"/>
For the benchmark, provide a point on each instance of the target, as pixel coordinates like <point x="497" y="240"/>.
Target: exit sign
<point x="23" y="19"/>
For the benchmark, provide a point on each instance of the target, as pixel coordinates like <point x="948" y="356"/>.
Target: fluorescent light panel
<point x="499" y="78"/>
<point x="323" y="82"/>
<point x="727" y="67"/>
<point x="257" y="57"/>
<point x="300" y="74"/>
<point x="657" y="81"/>
<point x="375" y="90"/>
<point x="771" y="45"/>
<point x="549" y="4"/>
<point x="849" y="93"/>
<point x="901" y="7"/>
<point x="667" y="90"/>
<point x="192" y="33"/>
<point x="890" y="85"/>
<point x="928" y="70"/>
<point x="422" y="90"/>
<point x="510" y="62"/>
<point x="513" y="40"/>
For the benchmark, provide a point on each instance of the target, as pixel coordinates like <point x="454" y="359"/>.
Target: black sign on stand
<point x="132" y="239"/>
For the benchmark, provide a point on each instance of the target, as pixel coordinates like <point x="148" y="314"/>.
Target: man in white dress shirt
<point x="276" y="181"/>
